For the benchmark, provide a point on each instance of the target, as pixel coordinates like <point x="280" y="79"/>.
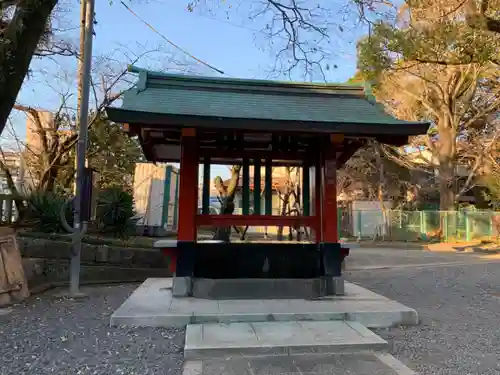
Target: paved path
<point x="377" y="258"/>
<point x="333" y="364"/>
<point x="459" y="308"/>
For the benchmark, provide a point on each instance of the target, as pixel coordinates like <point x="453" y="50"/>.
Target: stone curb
<point x="42" y="288"/>
<point x="387" y="245"/>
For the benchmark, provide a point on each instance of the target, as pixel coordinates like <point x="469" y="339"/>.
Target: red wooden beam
<point x="253" y="154"/>
<point x="218" y="161"/>
<point x="255" y="220"/>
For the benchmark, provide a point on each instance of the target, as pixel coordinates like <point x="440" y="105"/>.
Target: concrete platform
<point x="152" y="305"/>
<point x="225" y="341"/>
<point x="334" y="364"/>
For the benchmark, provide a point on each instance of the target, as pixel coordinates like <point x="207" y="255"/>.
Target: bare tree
<point x="226" y="196"/>
<point x="460" y="107"/>
<point x="28" y="28"/>
<point x="461" y="101"/>
<point x="51" y="157"/>
<point x="371" y="174"/>
<point x="304" y="35"/>
<point x="290" y="196"/>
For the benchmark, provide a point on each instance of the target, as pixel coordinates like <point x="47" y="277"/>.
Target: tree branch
<point x="19" y="42"/>
<point x="40" y="129"/>
<point x="477" y="18"/>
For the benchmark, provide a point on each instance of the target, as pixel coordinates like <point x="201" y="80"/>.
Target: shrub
<point x="115" y="212"/>
<point x="43" y="212"/>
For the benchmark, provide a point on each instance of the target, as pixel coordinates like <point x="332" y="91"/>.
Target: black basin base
<point x="258" y="270"/>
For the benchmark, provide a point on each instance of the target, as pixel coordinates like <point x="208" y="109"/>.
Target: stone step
<point x="216" y="340"/>
<point x="318" y="364"/>
<point x="152" y="305"/>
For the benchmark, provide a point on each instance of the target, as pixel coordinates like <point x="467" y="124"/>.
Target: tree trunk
<point x="227" y="195"/>
<point x="224" y="233"/>
<point x="285" y="202"/>
<point x="380" y="189"/>
<point x="446" y="185"/>
<point x="446" y="156"/>
<point x="18" y="42"/>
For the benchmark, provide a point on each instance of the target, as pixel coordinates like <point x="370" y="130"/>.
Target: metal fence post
<point x="422" y="232"/>
<point x="388" y="224"/>
<point x="358" y="214"/>
<point x="490" y="227"/>
<point x="468" y="234"/>
<point x="445" y="224"/>
<point x="456" y="225"/>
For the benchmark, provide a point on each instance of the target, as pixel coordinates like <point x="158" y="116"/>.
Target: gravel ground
<point x="459" y="307"/>
<point x="60" y="336"/>
<point x="459" y="334"/>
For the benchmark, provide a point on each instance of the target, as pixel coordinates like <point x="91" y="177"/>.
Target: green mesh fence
<point x="397" y="225"/>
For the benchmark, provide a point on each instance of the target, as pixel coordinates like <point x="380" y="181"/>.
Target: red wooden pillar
<point x="318" y="200"/>
<point x="330" y="209"/>
<point x="188" y="186"/>
<point x="330" y="217"/>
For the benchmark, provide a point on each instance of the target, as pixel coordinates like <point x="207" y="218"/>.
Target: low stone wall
<point x="46" y="263"/>
<point x="98" y="254"/>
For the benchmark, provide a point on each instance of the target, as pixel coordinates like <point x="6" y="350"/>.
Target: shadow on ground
<point x="375" y="258"/>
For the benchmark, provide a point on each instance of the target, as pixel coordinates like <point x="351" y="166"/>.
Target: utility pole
<point x="85" y="64"/>
<point x="83" y="16"/>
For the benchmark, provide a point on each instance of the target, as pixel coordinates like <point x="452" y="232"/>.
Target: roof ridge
<point x="249" y="81"/>
<point x="370" y="97"/>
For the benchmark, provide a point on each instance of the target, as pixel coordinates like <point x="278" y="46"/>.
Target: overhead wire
<point x="170" y="42"/>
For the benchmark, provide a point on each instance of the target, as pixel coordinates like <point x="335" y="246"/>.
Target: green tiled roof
<point x="170" y="94"/>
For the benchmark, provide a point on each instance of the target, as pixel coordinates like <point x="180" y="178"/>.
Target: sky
<point x="228" y="37"/>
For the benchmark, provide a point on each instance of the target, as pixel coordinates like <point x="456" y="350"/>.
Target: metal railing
<point x="398" y="225"/>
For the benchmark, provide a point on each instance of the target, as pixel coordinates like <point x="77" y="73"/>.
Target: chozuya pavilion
<point x="203" y="120"/>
